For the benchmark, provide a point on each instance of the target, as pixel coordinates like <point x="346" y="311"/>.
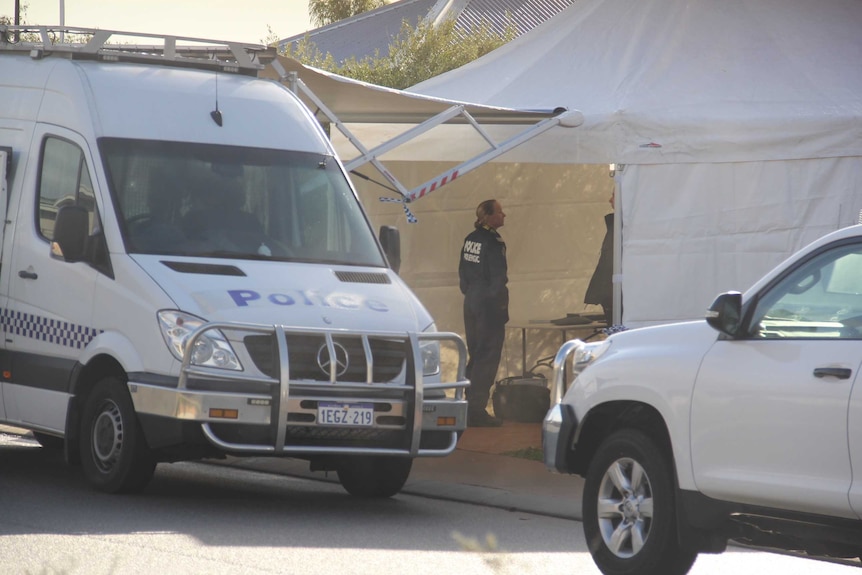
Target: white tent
<point x="736" y="128"/>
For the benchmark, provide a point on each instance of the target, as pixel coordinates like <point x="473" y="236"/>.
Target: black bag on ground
<point x="524" y="398"/>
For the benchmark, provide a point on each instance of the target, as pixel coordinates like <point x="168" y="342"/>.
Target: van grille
<point x="303" y="350"/>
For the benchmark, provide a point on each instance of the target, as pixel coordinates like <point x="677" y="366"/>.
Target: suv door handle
<point x="28" y="275"/>
<point x="839" y="372"/>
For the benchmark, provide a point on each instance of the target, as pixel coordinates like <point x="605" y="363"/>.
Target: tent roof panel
<point x="773" y="79"/>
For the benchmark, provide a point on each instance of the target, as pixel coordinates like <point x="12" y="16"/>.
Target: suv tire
<point x="629" y="509"/>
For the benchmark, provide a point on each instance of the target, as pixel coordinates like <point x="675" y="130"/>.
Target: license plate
<point x="345" y="414"/>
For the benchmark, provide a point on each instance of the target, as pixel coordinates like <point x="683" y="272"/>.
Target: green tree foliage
<point x="22" y="21"/>
<point x="323" y="12"/>
<point x="9" y="20"/>
<point x="416" y="54"/>
<point x="271" y="38"/>
<point x="33" y="36"/>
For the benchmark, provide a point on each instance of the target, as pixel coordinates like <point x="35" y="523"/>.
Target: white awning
<point x="340" y="101"/>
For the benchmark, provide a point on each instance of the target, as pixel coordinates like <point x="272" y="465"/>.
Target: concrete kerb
<point x="469" y="477"/>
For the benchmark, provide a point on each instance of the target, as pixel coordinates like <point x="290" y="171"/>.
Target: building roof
<point x="523" y="14"/>
<point x="372" y="32"/>
<point x="364" y="34"/>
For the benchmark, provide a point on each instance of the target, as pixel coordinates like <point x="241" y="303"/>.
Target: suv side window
<point x="63" y="180"/>
<point x="820" y="299"/>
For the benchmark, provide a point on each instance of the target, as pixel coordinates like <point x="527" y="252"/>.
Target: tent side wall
<point x="719" y="110"/>
<point x="691" y="231"/>
<point x="553" y="232"/>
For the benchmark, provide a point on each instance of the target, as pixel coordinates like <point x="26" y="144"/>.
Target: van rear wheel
<point x="369" y="476"/>
<point x="114" y="454"/>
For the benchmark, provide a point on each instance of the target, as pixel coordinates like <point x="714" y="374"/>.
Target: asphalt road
<point x="198" y="519"/>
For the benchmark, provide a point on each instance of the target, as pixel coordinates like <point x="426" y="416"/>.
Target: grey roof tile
<point x="361" y="35"/>
<point x="525" y="14"/>
<point x="372" y="31"/>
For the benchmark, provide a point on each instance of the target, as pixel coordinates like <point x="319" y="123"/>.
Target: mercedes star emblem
<point x="324" y="361"/>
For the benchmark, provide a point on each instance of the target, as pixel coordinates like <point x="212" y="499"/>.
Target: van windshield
<point x="206" y="200"/>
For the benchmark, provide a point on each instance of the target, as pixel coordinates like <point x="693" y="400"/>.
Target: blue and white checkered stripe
<point x="45" y="329"/>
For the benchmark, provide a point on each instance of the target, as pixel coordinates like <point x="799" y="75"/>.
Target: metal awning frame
<point x="456" y="112"/>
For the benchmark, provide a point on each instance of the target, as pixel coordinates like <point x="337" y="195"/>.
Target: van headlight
<point x="587" y="354"/>
<point x="430" y="351"/>
<point x="210" y="349"/>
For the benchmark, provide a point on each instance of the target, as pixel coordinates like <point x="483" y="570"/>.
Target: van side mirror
<point x="70" y="233"/>
<point x="725" y="313"/>
<point x="390" y="239"/>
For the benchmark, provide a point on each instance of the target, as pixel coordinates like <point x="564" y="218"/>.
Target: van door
<point x="5" y="172"/>
<point x="50" y="306"/>
<point x="5" y="162"/>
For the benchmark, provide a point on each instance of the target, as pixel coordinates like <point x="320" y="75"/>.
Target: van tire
<point x="114" y="454"/>
<point x="373" y="477"/>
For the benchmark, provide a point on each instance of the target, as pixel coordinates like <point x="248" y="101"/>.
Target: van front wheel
<point x="114" y="454"/>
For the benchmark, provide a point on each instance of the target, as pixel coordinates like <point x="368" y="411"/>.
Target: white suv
<point x="745" y="426"/>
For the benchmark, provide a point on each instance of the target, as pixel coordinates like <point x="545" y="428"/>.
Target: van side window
<point x="63" y="180"/>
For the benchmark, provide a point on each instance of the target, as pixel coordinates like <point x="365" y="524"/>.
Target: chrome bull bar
<point x="558" y="383"/>
<point x="283" y="385"/>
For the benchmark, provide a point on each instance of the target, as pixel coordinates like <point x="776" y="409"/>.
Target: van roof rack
<point x="93" y="44"/>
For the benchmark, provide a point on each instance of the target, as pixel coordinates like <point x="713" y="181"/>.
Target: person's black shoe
<point x="482" y="419"/>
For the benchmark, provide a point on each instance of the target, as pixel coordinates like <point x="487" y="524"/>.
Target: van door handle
<point x="839" y="372"/>
<point x="28" y="275"/>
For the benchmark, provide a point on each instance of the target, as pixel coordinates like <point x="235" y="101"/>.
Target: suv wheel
<point x="629" y="509"/>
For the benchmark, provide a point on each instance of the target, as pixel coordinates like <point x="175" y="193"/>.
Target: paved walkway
<point x="489" y="467"/>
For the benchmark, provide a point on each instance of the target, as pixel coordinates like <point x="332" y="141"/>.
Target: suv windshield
<point x="209" y="200"/>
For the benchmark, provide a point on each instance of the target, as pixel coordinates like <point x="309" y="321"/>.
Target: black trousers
<point x="485" y="335"/>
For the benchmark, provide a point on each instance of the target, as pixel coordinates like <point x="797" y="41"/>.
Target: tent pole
<point x="566" y="119"/>
<point x="617" y="314"/>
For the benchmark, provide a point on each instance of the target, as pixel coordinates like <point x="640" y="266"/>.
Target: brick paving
<point x="511" y="436"/>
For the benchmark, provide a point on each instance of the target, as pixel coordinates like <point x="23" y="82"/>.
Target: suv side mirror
<point x="725" y="313"/>
<point x="390" y="239"/>
<point x="70" y="233"/>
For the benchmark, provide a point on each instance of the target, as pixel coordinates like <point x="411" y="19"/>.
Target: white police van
<point x="187" y="273"/>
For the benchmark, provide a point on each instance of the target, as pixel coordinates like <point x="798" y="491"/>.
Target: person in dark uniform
<point x="483" y="274"/>
<point x="600" y="290"/>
